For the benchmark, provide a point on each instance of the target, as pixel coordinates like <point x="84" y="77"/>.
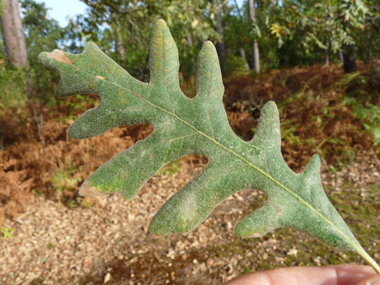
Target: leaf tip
<point x="76" y="132"/>
<point x="59" y="56"/>
<point x="268" y="130"/>
<point x="208" y="49"/>
<point x="314" y="163"/>
<point x="161" y="24"/>
<point x="208" y="44"/>
<point x="87" y="190"/>
<point x="91" y="44"/>
<point x="157" y="230"/>
<point x="271" y="107"/>
<point x="46" y="62"/>
<point x="42" y="56"/>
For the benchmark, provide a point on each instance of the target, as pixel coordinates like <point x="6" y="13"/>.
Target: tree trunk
<point x="242" y="54"/>
<point x="13" y="34"/>
<point x="15" y="47"/>
<point x="341" y="54"/>
<point x="255" y="47"/>
<point x="327" y="55"/>
<point x="241" y="50"/>
<point x="14" y="39"/>
<point x="220" y="46"/>
<point x="190" y="41"/>
<point x="349" y="60"/>
<point x="256" y="56"/>
<point x="118" y="38"/>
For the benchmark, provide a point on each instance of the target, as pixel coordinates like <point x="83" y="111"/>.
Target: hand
<point x="325" y="275"/>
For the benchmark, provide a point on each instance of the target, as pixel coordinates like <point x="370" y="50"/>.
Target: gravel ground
<point x="108" y="242"/>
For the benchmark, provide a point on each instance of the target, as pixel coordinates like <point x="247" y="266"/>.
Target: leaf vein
<point x="353" y="243"/>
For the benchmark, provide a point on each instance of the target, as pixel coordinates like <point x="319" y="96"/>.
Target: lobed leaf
<point x="193" y="126"/>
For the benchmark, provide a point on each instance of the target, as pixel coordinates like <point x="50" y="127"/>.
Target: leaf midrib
<point x="352" y="242"/>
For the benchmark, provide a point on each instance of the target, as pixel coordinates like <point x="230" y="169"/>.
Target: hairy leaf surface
<point x="193" y="126"/>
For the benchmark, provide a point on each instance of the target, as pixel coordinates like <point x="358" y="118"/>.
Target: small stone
<point x="293" y="252"/>
<point x="107" y="278"/>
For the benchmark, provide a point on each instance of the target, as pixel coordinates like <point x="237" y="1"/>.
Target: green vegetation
<point x="12" y="83"/>
<point x="65" y="180"/>
<point x="7" y="232"/>
<point x="292" y="33"/>
<point x="370" y="115"/>
<point x="86" y="203"/>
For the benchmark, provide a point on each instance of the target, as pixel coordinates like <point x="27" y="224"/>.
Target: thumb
<point x="373" y="280"/>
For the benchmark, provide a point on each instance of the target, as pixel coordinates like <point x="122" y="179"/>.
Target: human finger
<point x="325" y="275"/>
<point x="373" y="280"/>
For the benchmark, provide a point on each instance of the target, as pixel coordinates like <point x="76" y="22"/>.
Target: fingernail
<point x="374" y="281"/>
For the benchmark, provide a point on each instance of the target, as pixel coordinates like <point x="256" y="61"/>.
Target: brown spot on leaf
<point x="256" y="235"/>
<point x="100" y="77"/>
<point x="60" y="56"/>
<point x="87" y="190"/>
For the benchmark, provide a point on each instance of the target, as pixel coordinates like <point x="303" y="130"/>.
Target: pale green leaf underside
<point x="193" y="126"/>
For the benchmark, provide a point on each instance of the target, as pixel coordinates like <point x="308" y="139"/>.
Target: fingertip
<point x="373" y="280"/>
<point x="324" y="275"/>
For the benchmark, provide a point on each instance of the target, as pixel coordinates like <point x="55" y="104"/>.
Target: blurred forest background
<point x="318" y="60"/>
<point x="252" y="40"/>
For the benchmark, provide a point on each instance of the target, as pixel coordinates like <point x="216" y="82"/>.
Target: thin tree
<point x="15" y="47"/>
<point x="14" y="39"/>
<point x="255" y="54"/>
<point x="241" y="49"/>
<point x="348" y="49"/>
<point x="118" y="37"/>
<point x="327" y="41"/>
<point x="220" y="45"/>
<point x="13" y="35"/>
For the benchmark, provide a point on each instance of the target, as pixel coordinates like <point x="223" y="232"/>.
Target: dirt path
<point x="108" y="242"/>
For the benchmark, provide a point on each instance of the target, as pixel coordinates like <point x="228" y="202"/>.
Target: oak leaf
<point x="185" y="126"/>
